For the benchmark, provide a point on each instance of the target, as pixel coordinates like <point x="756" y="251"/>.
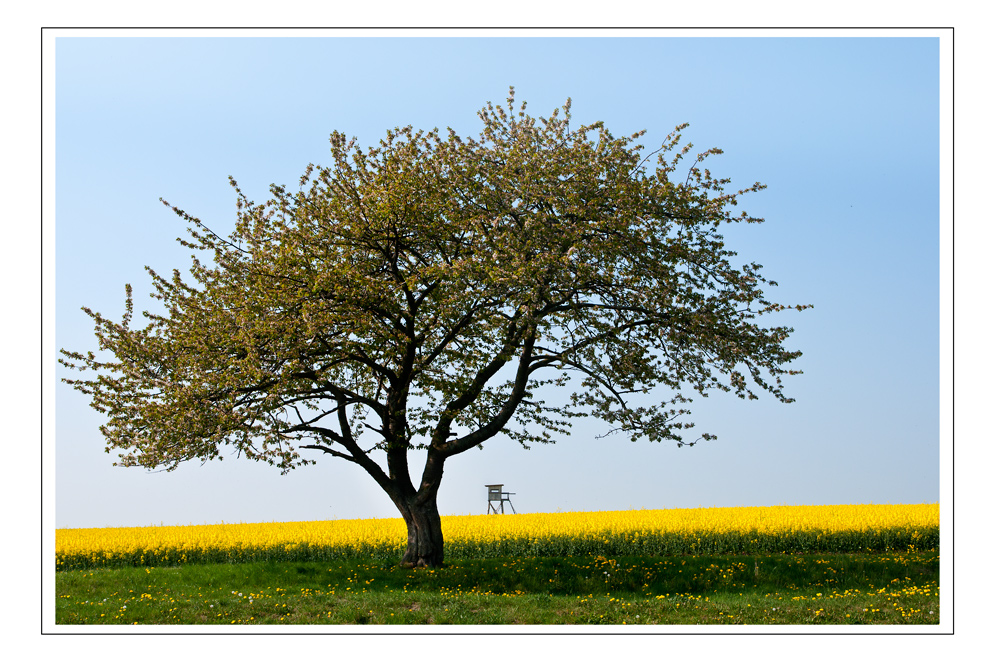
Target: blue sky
<point x="844" y="130"/>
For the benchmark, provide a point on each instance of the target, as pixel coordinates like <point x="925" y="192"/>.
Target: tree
<point x="424" y="291"/>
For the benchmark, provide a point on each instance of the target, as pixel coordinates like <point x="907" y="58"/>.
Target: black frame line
<point x="427" y="631"/>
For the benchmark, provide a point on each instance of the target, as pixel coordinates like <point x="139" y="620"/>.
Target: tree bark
<point x="425" y="544"/>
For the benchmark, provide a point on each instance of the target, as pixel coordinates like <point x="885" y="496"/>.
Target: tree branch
<point x="330" y="451"/>
<point x="500" y="419"/>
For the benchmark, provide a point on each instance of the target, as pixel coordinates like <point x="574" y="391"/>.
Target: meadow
<point x="852" y="564"/>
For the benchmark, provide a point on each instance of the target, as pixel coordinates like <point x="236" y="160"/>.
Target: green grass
<point x="891" y="588"/>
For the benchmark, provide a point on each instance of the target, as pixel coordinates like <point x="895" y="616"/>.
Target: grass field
<point x="900" y="588"/>
<point x="785" y="565"/>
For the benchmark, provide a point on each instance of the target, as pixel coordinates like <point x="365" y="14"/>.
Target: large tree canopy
<point x="428" y="291"/>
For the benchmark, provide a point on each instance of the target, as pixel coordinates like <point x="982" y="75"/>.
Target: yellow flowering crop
<point x="845" y="528"/>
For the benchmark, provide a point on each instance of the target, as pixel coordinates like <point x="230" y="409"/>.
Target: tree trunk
<point x="425" y="546"/>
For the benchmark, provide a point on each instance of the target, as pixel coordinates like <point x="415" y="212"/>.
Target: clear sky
<point x="844" y="130"/>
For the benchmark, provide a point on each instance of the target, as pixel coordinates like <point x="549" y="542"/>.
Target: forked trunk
<point x="425" y="545"/>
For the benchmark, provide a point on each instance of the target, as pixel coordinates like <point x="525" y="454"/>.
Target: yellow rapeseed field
<point x="844" y="528"/>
